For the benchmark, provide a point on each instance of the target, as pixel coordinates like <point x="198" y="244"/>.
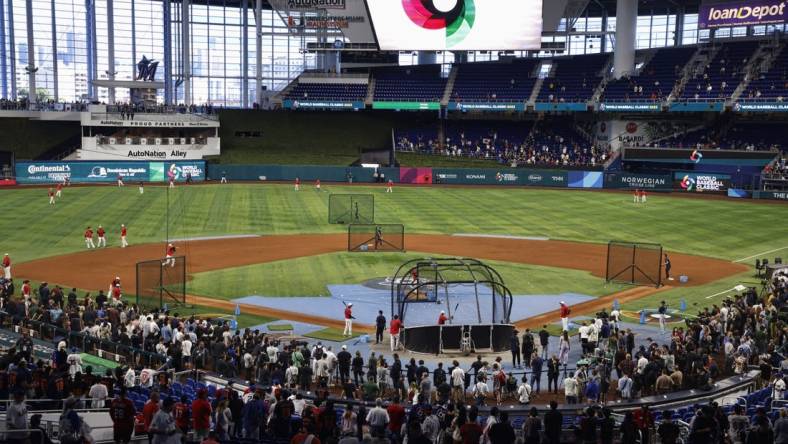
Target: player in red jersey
<point x="348" y="320"/>
<point x="390" y="186"/>
<point x="51" y="197"/>
<point x="102" y="241"/>
<point x="26" y="290"/>
<point x="7" y="266"/>
<point x="123" y="243"/>
<point x="59" y="190"/>
<point x="297" y="184"/>
<point x="172" y="181"/>
<point x="643" y="196"/>
<point x="317" y="184"/>
<point x="89" y="238"/>
<point x="442" y="318"/>
<point x="636" y="196"/>
<point x="122" y="413"/>
<point x="170" y="257"/>
<point x="564" y="313"/>
<point x="394" y="327"/>
<point x="120" y="180"/>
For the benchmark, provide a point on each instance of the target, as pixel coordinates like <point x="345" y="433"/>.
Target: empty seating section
<point x="772" y="84"/>
<point x="412" y="83"/>
<point x="346" y="92"/>
<point x="723" y="74"/>
<point x="575" y="79"/>
<point x="655" y="80"/>
<point x="495" y="82"/>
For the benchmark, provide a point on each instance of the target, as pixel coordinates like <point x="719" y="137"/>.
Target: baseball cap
<point x="563" y="303"/>
<point x="344" y="347"/>
<point x="350" y="304"/>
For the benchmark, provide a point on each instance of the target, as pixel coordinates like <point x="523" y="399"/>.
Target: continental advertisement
<point x="655" y="182"/>
<point x="487" y="176"/>
<point x="107" y="171"/>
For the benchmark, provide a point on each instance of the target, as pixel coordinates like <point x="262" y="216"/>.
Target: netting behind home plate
<point x="634" y="263"/>
<point x="161" y="281"/>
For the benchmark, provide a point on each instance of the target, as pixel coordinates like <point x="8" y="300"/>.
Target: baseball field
<point x="267" y="240"/>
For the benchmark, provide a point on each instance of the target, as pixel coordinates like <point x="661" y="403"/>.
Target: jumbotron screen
<point x="461" y="25"/>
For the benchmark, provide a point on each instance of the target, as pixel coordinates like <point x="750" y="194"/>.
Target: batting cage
<point x="351" y="209"/>
<point x="374" y="238"/>
<point x="634" y="263"/>
<point x="161" y="281"/>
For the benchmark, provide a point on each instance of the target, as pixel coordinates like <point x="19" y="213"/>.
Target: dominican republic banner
<point x="107" y="171"/>
<point x="741" y="13"/>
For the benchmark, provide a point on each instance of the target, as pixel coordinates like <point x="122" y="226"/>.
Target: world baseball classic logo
<point x="458" y="21"/>
<point x="688" y="183"/>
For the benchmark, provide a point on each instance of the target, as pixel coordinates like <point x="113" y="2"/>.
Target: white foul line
<point x="760" y="254"/>
<point x="736" y="288"/>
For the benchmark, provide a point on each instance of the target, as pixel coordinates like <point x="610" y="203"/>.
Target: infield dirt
<point x="95" y="269"/>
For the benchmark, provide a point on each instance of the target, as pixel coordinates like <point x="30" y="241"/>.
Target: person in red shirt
<point x="7" y="266"/>
<point x="170" y="257"/>
<point x="89" y="238"/>
<point x="102" y="241"/>
<point x="172" y="181"/>
<point x="182" y="414"/>
<point x="58" y="190"/>
<point x="122" y="413"/>
<point x="394" y="327"/>
<point x="150" y="409"/>
<point x="643" y="196"/>
<point x="297" y="184"/>
<point x="116" y="293"/>
<point x="123" y="243"/>
<point x="471" y="431"/>
<point x="564" y="316"/>
<point x="317" y="184"/>
<point x="201" y="415"/>
<point x="442" y="318"/>
<point x="51" y="197"/>
<point x="390" y="186"/>
<point x="636" y="196"/>
<point x="396" y="418"/>
<point x="26" y="289"/>
<point x="120" y="180"/>
<point x="348" y="320"/>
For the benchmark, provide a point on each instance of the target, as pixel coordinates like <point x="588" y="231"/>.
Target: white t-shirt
<point x="583" y="330"/>
<point x="524" y="393"/>
<point x="186" y="347"/>
<point x="458" y="377"/>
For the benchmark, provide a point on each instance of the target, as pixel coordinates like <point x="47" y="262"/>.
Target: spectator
<point x="532" y="427"/>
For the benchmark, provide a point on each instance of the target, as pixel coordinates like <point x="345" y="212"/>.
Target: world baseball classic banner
<point x="107" y="171"/>
<point x="693" y="182"/>
<point x="741" y="13"/>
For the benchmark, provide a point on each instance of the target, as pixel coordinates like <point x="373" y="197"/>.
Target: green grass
<point x="557" y="330"/>
<point x="330" y="334"/>
<point x="279" y="327"/>
<point x="696" y="297"/>
<point x="308" y="276"/>
<point x="717" y="228"/>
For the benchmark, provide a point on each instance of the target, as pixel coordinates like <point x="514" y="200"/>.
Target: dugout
<point x="472" y="295"/>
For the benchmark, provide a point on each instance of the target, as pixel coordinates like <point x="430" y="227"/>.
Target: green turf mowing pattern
<point x="330" y="334"/>
<point x="279" y="327"/>
<point x="308" y="276"/>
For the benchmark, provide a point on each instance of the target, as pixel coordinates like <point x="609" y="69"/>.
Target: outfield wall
<point x="107" y="171"/>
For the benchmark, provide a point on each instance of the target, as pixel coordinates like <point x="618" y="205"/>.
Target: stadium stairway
<point x="701" y="57"/>
<point x="449" y="85"/>
<point x="770" y="55"/>
<point x="370" y="91"/>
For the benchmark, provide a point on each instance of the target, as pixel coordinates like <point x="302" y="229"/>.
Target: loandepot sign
<point x="741" y="13"/>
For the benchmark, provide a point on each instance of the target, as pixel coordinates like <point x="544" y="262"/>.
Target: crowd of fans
<point x="381" y="398"/>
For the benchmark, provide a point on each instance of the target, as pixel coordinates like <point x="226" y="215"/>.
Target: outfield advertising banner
<point x="772" y="195"/>
<point x="646" y="107"/>
<point x="694" y="107"/>
<point x="487" y="176"/>
<point x="549" y="106"/>
<point x="693" y="182"/>
<point x="761" y="107"/>
<point x="98" y="172"/>
<point x="318" y="104"/>
<point x="408" y="106"/>
<point x="492" y="106"/>
<point x="586" y="179"/>
<point x="741" y="13"/>
<point x="632" y="181"/>
<point x="539" y="178"/>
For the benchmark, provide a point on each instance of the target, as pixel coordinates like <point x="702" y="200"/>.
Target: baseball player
<point x="636" y="196"/>
<point x="170" y="258"/>
<point x="59" y="190"/>
<point x="390" y="186"/>
<point x="116" y="293"/>
<point x="442" y="318"/>
<point x="378" y="237"/>
<point x="224" y="177"/>
<point x="172" y="181"/>
<point x="564" y="316"/>
<point x="7" y="266"/>
<point x="667" y="268"/>
<point x="26" y="289"/>
<point x="348" y="320"/>
<point x="317" y="184"/>
<point x="51" y="197"/>
<point x="642" y="196"/>
<point x="123" y="243"/>
<point x="89" y="238"/>
<point x="120" y="180"/>
<point x="141" y="188"/>
<point x="297" y="184"/>
<point x="115" y="283"/>
<point x="102" y="241"/>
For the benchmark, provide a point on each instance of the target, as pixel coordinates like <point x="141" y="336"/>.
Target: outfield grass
<point x="308" y="276"/>
<point x="718" y="228"/>
<point x="330" y="334"/>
